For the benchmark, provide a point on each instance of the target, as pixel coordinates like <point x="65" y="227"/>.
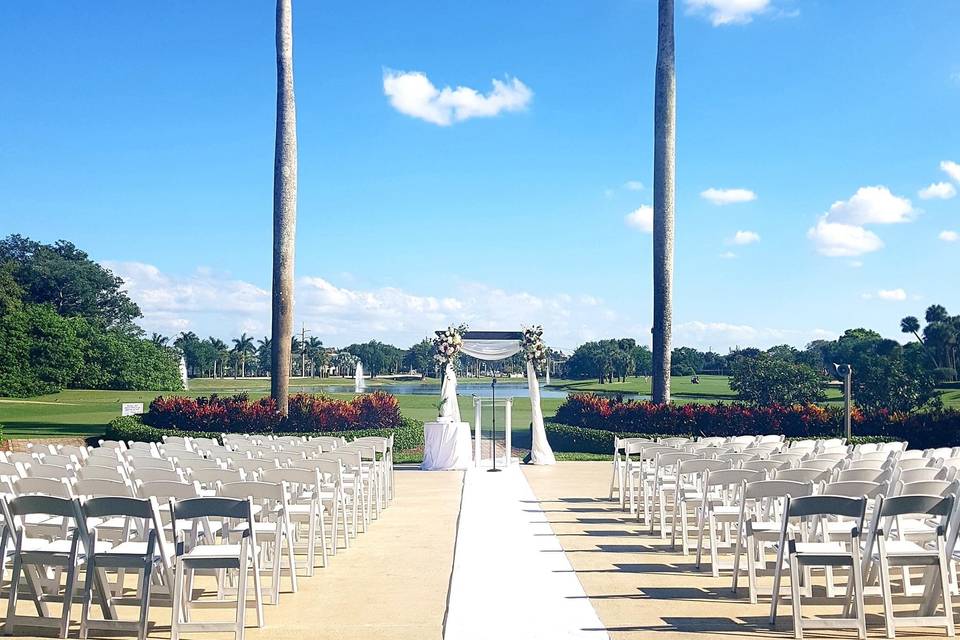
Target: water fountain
<point x="358" y="384"/>
<point x="183" y="374"/>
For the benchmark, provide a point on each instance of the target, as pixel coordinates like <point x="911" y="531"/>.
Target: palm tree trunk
<point x="284" y="208"/>
<point x="664" y="157"/>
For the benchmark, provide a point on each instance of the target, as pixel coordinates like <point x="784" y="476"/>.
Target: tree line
<point x="65" y="322"/>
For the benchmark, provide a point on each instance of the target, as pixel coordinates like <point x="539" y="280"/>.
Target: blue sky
<point x="144" y="132"/>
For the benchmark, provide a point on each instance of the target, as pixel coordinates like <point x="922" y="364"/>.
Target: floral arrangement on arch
<point x="533" y="347"/>
<point x="447" y="345"/>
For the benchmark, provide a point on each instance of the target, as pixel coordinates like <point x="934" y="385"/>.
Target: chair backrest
<point x="738" y="459"/>
<point x="12" y="470"/>
<point x="822" y="465"/>
<point x="60" y="460"/>
<point x="299" y="479"/>
<point x="163" y="490"/>
<point x="156" y="475"/>
<point x="188" y="466"/>
<point x="864" y="475"/>
<point x="730" y="478"/>
<point x="139" y="463"/>
<point x="673" y="442"/>
<point x="697" y="467"/>
<point x="867" y="463"/>
<point x="259" y="492"/>
<point x="43" y="486"/>
<point x="255" y="466"/>
<point x="777" y="489"/>
<point x="49" y="471"/>
<point x="941" y="452"/>
<point x="772" y="437"/>
<point x="712" y="441"/>
<point x="45" y="505"/>
<point x="911" y="454"/>
<point x="765" y="466"/>
<point x="209" y="478"/>
<point x="913" y="463"/>
<point x="213" y="507"/>
<point x="793" y="458"/>
<point x="95" y="472"/>
<point x="927" y="487"/>
<point x="803" y="475"/>
<point x="913" y="504"/>
<point x="826" y="505"/>
<point x="803" y="445"/>
<point x="98" y="487"/>
<point x="921" y="474"/>
<point x="853" y="489"/>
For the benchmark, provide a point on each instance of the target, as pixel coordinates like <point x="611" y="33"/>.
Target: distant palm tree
<point x="242" y="347"/>
<point x="223" y="354"/>
<point x="264" y="352"/>
<point x="664" y="166"/>
<point x="284" y="209"/>
<point x="159" y="340"/>
<point x="314" y="352"/>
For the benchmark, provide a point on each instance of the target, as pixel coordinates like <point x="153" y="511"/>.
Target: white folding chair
<point x="798" y="556"/>
<point x="305" y="506"/>
<point x="883" y="552"/>
<point x="192" y="556"/>
<point x="720" y="509"/>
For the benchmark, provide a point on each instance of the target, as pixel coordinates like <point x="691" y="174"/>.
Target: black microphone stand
<point x="493" y="429"/>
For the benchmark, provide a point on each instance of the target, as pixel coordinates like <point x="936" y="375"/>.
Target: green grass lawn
<point x="85" y="413"/>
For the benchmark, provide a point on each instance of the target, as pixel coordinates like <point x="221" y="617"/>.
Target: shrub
<point x="935" y="428"/>
<point x="306" y="414"/>
<point x="408" y="434"/>
<point x="765" y="380"/>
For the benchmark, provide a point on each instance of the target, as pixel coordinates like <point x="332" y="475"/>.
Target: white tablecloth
<point x="446" y="445"/>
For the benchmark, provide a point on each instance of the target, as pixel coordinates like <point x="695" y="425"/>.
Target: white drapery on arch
<point x="491" y="346"/>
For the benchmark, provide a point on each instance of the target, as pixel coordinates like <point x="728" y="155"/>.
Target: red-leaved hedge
<point x="921" y="429"/>
<point x="306" y="414"/>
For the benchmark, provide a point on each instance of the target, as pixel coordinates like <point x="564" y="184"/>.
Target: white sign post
<point x="131" y="408"/>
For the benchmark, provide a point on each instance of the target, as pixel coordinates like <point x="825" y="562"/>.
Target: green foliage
<point x="419" y="357"/>
<point x="378" y="358"/>
<point x="41" y="352"/>
<point x="606" y="359"/>
<point x="766" y="379"/>
<point x="126" y="428"/>
<point x="944" y="374"/>
<point x="65" y="277"/>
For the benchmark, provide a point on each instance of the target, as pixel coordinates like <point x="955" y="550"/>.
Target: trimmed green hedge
<point x="565" y="438"/>
<point x="126" y="428"/>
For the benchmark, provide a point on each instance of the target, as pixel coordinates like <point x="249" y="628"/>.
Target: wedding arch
<point x="493" y="346"/>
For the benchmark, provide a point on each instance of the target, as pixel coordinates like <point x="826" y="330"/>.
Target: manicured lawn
<point x="85" y="413"/>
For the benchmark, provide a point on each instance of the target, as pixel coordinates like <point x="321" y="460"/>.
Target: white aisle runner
<point x="511" y="578"/>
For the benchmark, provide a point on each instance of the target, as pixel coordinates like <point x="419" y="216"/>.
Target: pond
<point x="505" y="389"/>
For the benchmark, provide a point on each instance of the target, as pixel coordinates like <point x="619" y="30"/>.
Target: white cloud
<point x="841" y="231"/>
<point x="641" y="219"/>
<point x="872" y="205"/>
<point x="745" y="237"/>
<point x="939" y="190"/>
<point x="413" y="94"/>
<point x="890" y="295"/>
<point x="210" y="303"/>
<point x="952" y="169"/>
<point x="722" y="197"/>
<point x="722" y="335"/>
<point x="633" y="185"/>
<point x="949" y="236"/>
<point x="728" y="255"/>
<point x="834" y="239"/>
<point x="726" y="12"/>
<point x="855" y="264"/>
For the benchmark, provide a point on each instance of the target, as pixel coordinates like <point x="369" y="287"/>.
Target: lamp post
<point x="493" y="429"/>
<point x="845" y="371"/>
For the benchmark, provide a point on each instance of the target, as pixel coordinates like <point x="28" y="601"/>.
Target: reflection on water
<point x="504" y="390"/>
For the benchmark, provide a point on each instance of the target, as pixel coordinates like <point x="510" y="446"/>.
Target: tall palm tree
<point x="243" y="347"/>
<point x="159" y="340"/>
<point x="223" y="354"/>
<point x="910" y="324"/>
<point x="664" y="159"/>
<point x="264" y="351"/>
<point x="284" y="209"/>
<point x="314" y="351"/>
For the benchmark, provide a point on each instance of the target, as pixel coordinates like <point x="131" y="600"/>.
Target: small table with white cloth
<point x="446" y="445"/>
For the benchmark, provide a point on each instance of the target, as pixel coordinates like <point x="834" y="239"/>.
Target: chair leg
<point x="145" y="600"/>
<point x="87" y="597"/>
<point x="947" y="600"/>
<point x="14" y="592"/>
<point x="175" y="612"/>
<point x="887" y="597"/>
<point x="857" y="580"/>
<point x="68" y="591"/>
<point x="288" y="534"/>
<point x="701" y="514"/>
<point x="775" y="594"/>
<point x="323" y="538"/>
<point x="241" y="619"/>
<point x="795" y="600"/>
<point x="257" y="583"/>
<point x="714" y="556"/>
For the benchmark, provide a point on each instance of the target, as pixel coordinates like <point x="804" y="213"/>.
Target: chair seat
<point x="212" y="551"/>
<point x="821" y="548"/>
<point x="905" y="548"/>
<point x="726" y="510"/>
